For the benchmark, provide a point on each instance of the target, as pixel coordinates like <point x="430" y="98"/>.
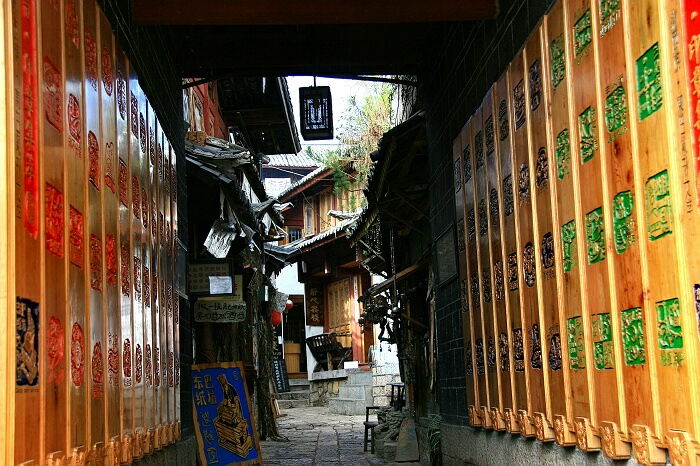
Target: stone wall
<point x="322" y="390"/>
<point x="381" y="392"/>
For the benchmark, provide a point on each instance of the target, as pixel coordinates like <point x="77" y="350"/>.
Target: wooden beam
<point x="276" y="12"/>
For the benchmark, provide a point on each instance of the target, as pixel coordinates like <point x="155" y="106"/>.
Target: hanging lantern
<point x="276" y="318"/>
<point x="289" y="305"/>
<point x="316" y="112"/>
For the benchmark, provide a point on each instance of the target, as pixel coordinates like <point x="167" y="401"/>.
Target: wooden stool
<point x="398" y="401"/>
<point x="369" y="427"/>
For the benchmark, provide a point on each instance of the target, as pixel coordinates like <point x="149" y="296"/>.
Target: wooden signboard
<point x="56" y="377"/>
<point x="279" y="375"/>
<point x="522" y="174"/>
<point x="224" y="423"/>
<point x="673" y="325"/>
<point x="95" y="342"/>
<point x="516" y="363"/>
<point x="586" y="173"/>
<point x="501" y="419"/>
<point x="461" y="159"/>
<point x="487" y="212"/>
<point x="475" y="228"/>
<point x="627" y="307"/>
<point x="110" y="189"/>
<point x="124" y="255"/>
<point x="540" y="159"/>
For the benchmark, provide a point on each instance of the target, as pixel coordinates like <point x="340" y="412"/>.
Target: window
<point x="325" y="203"/>
<point x="294" y="235"/>
<point x="198" y="117"/>
<point x="308" y="218"/>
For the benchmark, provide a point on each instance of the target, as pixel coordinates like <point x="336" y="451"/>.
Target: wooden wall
<point x="581" y="306"/>
<point x="96" y="361"/>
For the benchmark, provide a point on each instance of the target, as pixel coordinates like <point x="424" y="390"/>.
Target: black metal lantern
<point x="316" y="112"/>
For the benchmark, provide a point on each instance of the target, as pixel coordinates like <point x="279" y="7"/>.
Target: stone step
<point x="294" y="395"/>
<point x="355" y="392"/>
<point x="291" y="404"/>
<point x="348" y="406"/>
<point x="359" y="377"/>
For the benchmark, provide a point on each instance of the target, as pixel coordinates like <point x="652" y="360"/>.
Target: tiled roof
<point x="299" y="160"/>
<point x="304" y="181"/>
<point x="335" y="231"/>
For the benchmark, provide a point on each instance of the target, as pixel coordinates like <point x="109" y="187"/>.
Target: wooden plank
<point x="160" y="351"/>
<point x="54" y="405"/>
<point x="474" y="229"/>
<point x="501" y="417"/>
<point x="491" y="336"/>
<point x="585" y="157"/>
<point x="95" y="344"/>
<point x="173" y="296"/>
<point x="623" y="251"/>
<point x="540" y="182"/>
<point x="28" y="250"/>
<point x="672" y="324"/>
<point x="530" y="330"/>
<point x="7" y="255"/>
<point x="125" y="261"/>
<point x="136" y="124"/>
<point x="110" y="189"/>
<point x="563" y="213"/>
<point x="460" y="170"/>
<point x="504" y="130"/>
<point x="76" y="186"/>
<point x="679" y="33"/>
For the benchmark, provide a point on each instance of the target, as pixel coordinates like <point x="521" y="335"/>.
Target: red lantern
<point x="289" y="305"/>
<point x="276" y="318"/>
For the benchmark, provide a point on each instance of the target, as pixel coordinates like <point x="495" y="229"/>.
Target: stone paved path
<point x="317" y="437"/>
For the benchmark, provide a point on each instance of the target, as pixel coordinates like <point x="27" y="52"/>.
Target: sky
<point x="341" y="90"/>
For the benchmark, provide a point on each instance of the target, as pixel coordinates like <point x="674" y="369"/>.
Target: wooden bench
<point x="328" y="351"/>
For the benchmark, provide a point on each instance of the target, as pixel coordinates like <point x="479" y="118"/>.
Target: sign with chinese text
<point x="219" y="309"/>
<point x="314" y="305"/>
<point x="223" y="420"/>
<point x="199" y="274"/>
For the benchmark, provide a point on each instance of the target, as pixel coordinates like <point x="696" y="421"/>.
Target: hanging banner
<point x="223" y="420"/>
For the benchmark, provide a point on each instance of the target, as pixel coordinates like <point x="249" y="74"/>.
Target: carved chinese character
<point x="542" y="170"/>
<point x="461" y="244"/>
<point x="53" y="95"/>
<point x="498" y="280"/>
<point x="554" y="352"/>
<point x="582" y="35"/>
<point x="458" y="174"/>
<point x="588" y="134"/>
<point x="90" y="60"/>
<point x="547" y="250"/>
<point x="513" y="271"/>
<point x="519" y="104"/>
<point x="471" y="226"/>
<point x="602" y="341"/>
<point x="479" y="150"/>
<point x="535" y="347"/>
<point x="483" y="220"/>
<point x="535" y="81"/>
<point x="504" y="351"/>
<point x="491" y="354"/>
<point x="563" y="154"/>
<point x="467" y="156"/>
<point x="508" y="205"/>
<point x="649" y="82"/>
<point x="486" y="280"/>
<point x="488" y="134"/>
<point x="97" y="369"/>
<point x="121" y="94"/>
<point x="623" y="221"/>
<point x="95" y="263"/>
<point x="503" y="126"/>
<point x="469" y="359"/>
<point x="94" y="160"/>
<point x="529" y="265"/>
<point x="658" y="206"/>
<point x="77" y="354"/>
<point x="480" y="365"/>
<point x="54" y="220"/>
<point x="76" y="238"/>
<point x="464" y="295"/>
<point x="568" y="240"/>
<point x="558" y="60"/>
<point x="616" y="112"/>
<point x="475" y="291"/>
<point x="518" y="350"/>
<point x="577" y="352"/>
<point x="524" y="183"/>
<point x="632" y="321"/>
<point x="595" y="236"/>
<point x="493" y="207"/>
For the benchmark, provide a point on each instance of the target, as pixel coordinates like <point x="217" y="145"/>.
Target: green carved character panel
<point x="602" y="341"/>
<point x="595" y="236"/>
<point x="670" y="332"/>
<point x="557" y="55"/>
<point x="588" y="131"/>
<point x="623" y="221"/>
<point x="616" y="112"/>
<point x="563" y="154"/>
<point x="632" y="321"/>
<point x="568" y="240"/>
<point x="582" y="35"/>
<point x="577" y="352"/>
<point x="649" y="89"/>
<point x="658" y="206"/>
